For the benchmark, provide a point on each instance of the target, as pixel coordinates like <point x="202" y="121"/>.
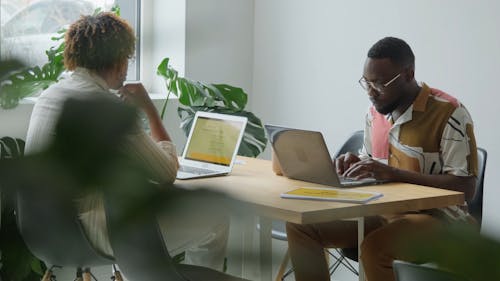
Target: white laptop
<point x="303" y="155"/>
<point x="212" y="145"/>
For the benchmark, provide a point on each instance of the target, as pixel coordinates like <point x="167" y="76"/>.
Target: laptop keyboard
<point x="346" y="179"/>
<point x="195" y="170"/>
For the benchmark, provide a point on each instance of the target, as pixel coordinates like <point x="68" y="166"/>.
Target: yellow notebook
<point x="332" y="194"/>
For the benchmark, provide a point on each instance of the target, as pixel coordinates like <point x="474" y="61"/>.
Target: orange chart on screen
<point x="209" y="158"/>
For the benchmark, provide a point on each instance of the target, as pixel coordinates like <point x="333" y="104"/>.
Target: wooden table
<point x="253" y="183"/>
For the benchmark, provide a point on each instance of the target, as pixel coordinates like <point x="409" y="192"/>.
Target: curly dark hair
<point x="395" y="49"/>
<point x="98" y="42"/>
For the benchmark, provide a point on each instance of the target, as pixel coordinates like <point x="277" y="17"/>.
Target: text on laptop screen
<point x="214" y="140"/>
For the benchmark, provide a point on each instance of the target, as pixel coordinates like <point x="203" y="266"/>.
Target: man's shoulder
<point x="442" y="96"/>
<point x="446" y="104"/>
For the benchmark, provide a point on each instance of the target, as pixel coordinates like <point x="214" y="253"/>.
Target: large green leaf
<point x="254" y="139"/>
<point x="233" y="97"/>
<point x="195" y="93"/>
<point x="30" y="81"/>
<point x="189" y="92"/>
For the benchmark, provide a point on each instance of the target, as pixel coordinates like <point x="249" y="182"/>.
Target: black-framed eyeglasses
<point x="365" y="84"/>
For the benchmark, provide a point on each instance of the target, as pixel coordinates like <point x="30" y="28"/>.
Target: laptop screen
<point x="214" y="140"/>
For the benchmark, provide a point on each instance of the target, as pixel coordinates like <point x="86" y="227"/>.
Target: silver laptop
<point x="303" y="155"/>
<point x="212" y="145"/>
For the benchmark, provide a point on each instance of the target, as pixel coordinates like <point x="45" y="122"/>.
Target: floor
<point x="234" y="264"/>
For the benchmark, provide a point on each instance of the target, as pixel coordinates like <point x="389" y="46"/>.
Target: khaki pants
<point x="384" y="236"/>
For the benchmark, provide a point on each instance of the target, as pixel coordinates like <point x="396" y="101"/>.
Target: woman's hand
<point x="137" y="95"/>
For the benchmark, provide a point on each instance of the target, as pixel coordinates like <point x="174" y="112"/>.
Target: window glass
<point x="28" y="26"/>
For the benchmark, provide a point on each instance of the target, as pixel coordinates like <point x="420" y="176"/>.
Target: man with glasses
<point x="414" y="134"/>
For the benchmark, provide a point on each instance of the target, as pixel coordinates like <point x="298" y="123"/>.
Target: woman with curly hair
<point x="97" y="50"/>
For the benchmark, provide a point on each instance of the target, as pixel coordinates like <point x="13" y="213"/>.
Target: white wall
<point x="309" y="56"/>
<point x="14" y="122"/>
<point x="163" y="32"/>
<point x="219" y="42"/>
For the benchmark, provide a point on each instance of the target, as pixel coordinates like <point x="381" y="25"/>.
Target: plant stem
<point x="164" y="108"/>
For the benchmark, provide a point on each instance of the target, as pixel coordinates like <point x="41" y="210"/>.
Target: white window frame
<point x="131" y="11"/>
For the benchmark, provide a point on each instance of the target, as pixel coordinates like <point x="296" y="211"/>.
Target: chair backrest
<point x="353" y="144"/>
<point x="476" y="203"/>
<point x="11" y="147"/>
<point x="405" y="271"/>
<point x="51" y="229"/>
<point x="138" y="244"/>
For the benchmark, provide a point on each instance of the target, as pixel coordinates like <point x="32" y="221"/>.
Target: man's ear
<point x="409" y="74"/>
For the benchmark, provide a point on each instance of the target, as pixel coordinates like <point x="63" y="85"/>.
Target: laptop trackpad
<point x="187" y="172"/>
<point x="354" y="182"/>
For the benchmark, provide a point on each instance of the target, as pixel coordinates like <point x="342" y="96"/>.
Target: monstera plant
<point x="221" y="98"/>
<point x="29" y="81"/>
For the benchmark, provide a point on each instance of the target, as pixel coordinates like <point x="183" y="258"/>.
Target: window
<point x="131" y="11"/>
<point x="28" y="26"/>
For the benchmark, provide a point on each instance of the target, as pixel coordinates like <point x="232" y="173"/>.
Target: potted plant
<point x="19" y="83"/>
<point x="221" y="98"/>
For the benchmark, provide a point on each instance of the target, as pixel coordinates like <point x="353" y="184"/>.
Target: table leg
<point x="361" y="234"/>
<point x="265" y="249"/>
<point x="248" y="259"/>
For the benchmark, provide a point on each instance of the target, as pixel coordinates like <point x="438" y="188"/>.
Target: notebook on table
<point x="212" y="145"/>
<point x="332" y="194"/>
<point x="303" y="155"/>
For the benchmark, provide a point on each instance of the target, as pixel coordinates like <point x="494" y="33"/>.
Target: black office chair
<point x="353" y="144"/>
<point x="405" y="271"/>
<point x="11" y="148"/>
<point x="139" y="246"/>
<point x="475" y="205"/>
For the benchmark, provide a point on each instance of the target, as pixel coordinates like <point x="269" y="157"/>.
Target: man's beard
<point x="389" y="108"/>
